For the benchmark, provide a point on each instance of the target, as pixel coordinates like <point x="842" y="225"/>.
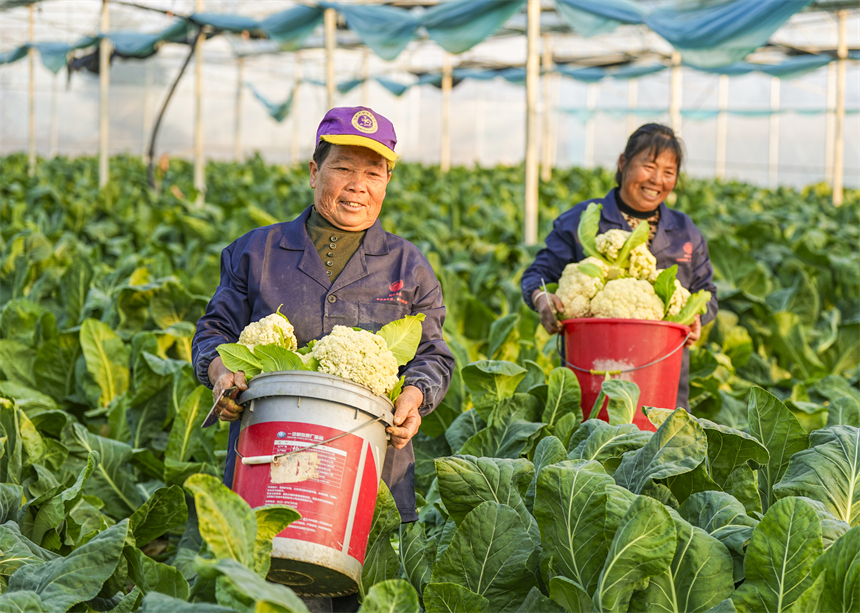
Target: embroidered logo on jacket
<point x="688" y="254"/>
<point x="394" y="293"/>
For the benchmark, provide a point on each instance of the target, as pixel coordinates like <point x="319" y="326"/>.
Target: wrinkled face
<point x="349" y="186"/>
<point x="646" y="181"/>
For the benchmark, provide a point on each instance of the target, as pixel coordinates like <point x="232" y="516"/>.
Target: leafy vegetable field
<point x="110" y="494"/>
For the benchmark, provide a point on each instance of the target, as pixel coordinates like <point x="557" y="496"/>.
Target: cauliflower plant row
<point x="620" y="279"/>
<point x="361" y="356"/>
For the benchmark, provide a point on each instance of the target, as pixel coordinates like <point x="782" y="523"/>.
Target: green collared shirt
<point x="334" y="245"/>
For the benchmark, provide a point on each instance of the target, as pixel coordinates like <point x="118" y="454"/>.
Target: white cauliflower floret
<point x="273" y="329"/>
<point x="627" y="299"/>
<point x="679" y="299"/>
<point x="576" y="289"/>
<point x="610" y="242"/>
<point x="358" y="355"/>
<point x="643" y="265"/>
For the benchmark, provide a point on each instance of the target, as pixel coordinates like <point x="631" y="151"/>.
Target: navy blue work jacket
<point x="386" y="279"/>
<point x="678" y="241"/>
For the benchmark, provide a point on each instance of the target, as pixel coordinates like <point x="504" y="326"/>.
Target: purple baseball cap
<point x="359" y="125"/>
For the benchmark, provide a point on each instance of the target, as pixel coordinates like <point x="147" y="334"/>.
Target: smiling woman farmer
<point x="335" y="265"/>
<point x="647" y="173"/>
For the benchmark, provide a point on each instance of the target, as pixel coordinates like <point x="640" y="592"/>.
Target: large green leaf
<point x="536" y="602"/>
<point x="417" y="555"/>
<point x="111" y="481"/>
<point x="564" y="396"/>
<point x="453" y="598"/>
<point x="271" y="521"/>
<point x="699" y="578"/>
<point x="152" y="576"/>
<point x="186" y="436"/>
<point x="464" y="427"/>
<point x="381" y="562"/>
<point x="549" y="451"/>
<point x="165" y="510"/>
<point x="107" y="359"/>
<point x="17" y="362"/>
<point x="570" y="595"/>
<point x="774" y="425"/>
<point x="791" y="344"/>
<point x="829" y="471"/>
<point x="64" y="582"/>
<point x="240" y="585"/>
<point x="511" y="428"/>
<point x="840" y="567"/>
<point x="389" y="596"/>
<point x="17" y="551"/>
<point x="725" y="519"/>
<point x="403" y="336"/>
<point x="779" y="558"/>
<point x="226" y="522"/>
<point x="466" y="481"/>
<point x="24" y="601"/>
<point x="491" y="381"/>
<point x="74" y="286"/>
<point x="589" y="226"/>
<point x="642" y="548"/>
<point x="570" y="508"/>
<point x="155" y="602"/>
<point x="488" y="556"/>
<point x="844" y="412"/>
<point x="238" y="358"/>
<point x="623" y="400"/>
<point x="597" y="440"/>
<point x="678" y="446"/>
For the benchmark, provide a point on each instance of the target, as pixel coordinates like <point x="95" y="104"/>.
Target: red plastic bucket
<point x="626" y="345"/>
<point x="316" y="443"/>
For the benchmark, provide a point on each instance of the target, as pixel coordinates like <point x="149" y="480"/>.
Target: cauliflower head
<point x="273" y="329"/>
<point x="679" y="299"/>
<point x="610" y="242"/>
<point x="357" y="355"/>
<point x="627" y="299"/>
<point x="643" y="265"/>
<point x="576" y="289"/>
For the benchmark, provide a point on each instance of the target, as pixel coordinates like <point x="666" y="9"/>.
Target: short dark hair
<point x="654" y="138"/>
<point x="321" y="152"/>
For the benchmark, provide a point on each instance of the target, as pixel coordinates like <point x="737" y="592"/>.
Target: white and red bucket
<point x="648" y="353"/>
<point x="316" y="443"/>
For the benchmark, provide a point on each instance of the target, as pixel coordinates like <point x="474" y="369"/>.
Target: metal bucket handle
<point x="620" y="371"/>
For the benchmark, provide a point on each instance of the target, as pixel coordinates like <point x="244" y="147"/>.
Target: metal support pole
<point x="365" y="75"/>
<point x="480" y="109"/>
<point x="632" y="104"/>
<point x="722" y="126"/>
<point x="773" y="150"/>
<point x="532" y="129"/>
<point x="31" y="52"/>
<point x="104" y="83"/>
<point x="330" y="24"/>
<point x="546" y="139"/>
<point x="199" y="162"/>
<point x="53" y="149"/>
<point x="830" y="124"/>
<point x="839" y="153"/>
<point x="147" y="108"/>
<point x="447" y="84"/>
<point x="294" y="146"/>
<point x="591" y="93"/>
<point x="237" y="127"/>
<point x="675" y="94"/>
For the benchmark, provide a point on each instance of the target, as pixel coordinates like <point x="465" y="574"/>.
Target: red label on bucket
<point x="327" y="496"/>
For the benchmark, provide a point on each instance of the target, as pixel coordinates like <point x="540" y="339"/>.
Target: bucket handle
<point x="268" y="459"/>
<point x="620" y="371"/>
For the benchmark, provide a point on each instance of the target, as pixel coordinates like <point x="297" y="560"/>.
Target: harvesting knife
<point x="213" y="416"/>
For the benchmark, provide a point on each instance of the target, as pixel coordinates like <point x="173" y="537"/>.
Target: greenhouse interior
<point x="430" y="306"/>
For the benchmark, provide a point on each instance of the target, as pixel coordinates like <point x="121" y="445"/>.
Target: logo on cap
<point x="364" y="121"/>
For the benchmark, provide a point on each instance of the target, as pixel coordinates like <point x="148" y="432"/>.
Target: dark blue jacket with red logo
<point x="678" y="241"/>
<point x="386" y="279"/>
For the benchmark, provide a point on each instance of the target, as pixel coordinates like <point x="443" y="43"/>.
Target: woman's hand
<point x="406" y="416"/>
<point x="695" y="331"/>
<point x="542" y="301"/>
<point x="222" y="378"/>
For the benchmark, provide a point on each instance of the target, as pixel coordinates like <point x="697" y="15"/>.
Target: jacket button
<point x="331" y="245"/>
<point x="328" y="272"/>
<point x="333" y="238"/>
<point x="330" y="254"/>
<point x="329" y="263"/>
<point x="332" y="298"/>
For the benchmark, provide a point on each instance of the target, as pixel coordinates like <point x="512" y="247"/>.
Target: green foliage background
<point x="100" y="290"/>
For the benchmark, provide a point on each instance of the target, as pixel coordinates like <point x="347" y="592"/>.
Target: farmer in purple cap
<point x="335" y="265"/>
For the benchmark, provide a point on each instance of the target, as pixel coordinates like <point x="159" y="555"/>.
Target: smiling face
<point x="646" y="180"/>
<point x="349" y="186"/>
